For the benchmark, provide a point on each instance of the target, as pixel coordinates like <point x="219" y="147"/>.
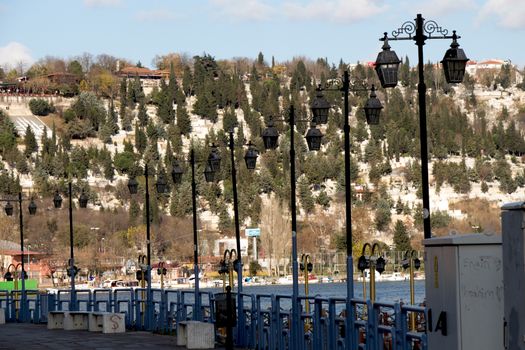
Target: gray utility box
<point x="513" y="225"/>
<point x="464" y="292"/>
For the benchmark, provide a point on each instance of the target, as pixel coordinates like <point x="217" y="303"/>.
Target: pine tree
<point x="187" y="81"/>
<point x="134" y="211"/>
<point x="107" y="164"/>
<point x="229" y="120"/>
<point x="125" y="118"/>
<point x="44" y="141"/>
<point x="141" y="140"/>
<point x="112" y="118"/>
<point x="130" y="97"/>
<point x="172" y="85"/>
<point x="165" y="110"/>
<point x="53" y="143"/>
<point x="401" y="238"/>
<point x="260" y="59"/>
<point x="305" y="195"/>
<point x="105" y="132"/>
<point x="30" y="142"/>
<point x="123" y="92"/>
<point x="383" y="215"/>
<point x="183" y="120"/>
<point x="142" y="114"/>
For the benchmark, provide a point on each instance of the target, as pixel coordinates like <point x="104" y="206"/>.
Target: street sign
<point x="253" y="232"/>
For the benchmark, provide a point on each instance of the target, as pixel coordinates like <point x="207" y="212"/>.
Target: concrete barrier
<point x="196" y="335"/>
<point x="55" y="320"/>
<point x="107" y="322"/>
<point x="76" y="320"/>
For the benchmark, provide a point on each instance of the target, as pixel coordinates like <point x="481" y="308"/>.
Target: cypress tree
<point x="130" y="97"/>
<point x="183" y="120"/>
<point x="142" y="115"/>
<point x="53" y="143"/>
<point x="141" y="141"/>
<point x="187" y="80"/>
<point x="401" y="238"/>
<point x="107" y="164"/>
<point x="112" y="118"/>
<point x="105" y="132"/>
<point x="229" y="119"/>
<point x="123" y="92"/>
<point x="125" y="118"/>
<point x="30" y="142"/>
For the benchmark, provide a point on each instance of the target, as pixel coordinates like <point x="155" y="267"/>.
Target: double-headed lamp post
<point x="454" y="63"/>
<point x="72" y="271"/>
<point x="320" y="108"/>
<point x="9" y="212"/>
<point x="212" y="167"/>
<point x="270" y="137"/>
<point x="161" y="187"/>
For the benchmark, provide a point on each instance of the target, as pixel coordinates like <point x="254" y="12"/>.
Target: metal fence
<point x="268" y="318"/>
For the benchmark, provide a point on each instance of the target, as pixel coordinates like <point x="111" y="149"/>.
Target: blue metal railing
<point x="268" y="317"/>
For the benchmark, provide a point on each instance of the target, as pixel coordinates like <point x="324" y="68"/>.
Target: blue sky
<point x="347" y="29"/>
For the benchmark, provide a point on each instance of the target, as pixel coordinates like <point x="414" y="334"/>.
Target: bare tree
<point x="276" y="232"/>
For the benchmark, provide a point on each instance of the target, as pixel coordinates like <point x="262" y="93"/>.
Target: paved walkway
<point x="25" y="336"/>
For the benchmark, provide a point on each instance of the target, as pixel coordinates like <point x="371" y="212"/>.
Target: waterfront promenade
<point x="26" y="336"/>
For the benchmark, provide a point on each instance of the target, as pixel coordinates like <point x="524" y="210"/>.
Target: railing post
<point x="399" y="335"/>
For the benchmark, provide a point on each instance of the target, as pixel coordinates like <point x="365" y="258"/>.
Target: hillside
<point x="99" y="140"/>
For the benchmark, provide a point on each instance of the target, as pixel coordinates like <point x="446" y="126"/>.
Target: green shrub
<point x="40" y="107"/>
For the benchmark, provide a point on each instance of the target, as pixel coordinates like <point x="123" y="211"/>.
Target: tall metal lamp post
<point x="212" y="166"/>
<point x="72" y="271"/>
<point x="9" y="212"/>
<point x="454" y="63"/>
<point x="320" y="108"/>
<point x="250" y="159"/>
<point x="161" y="187"/>
<point x="270" y="137"/>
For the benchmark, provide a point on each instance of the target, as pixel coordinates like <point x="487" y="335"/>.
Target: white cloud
<point x="156" y="15"/>
<point x="443" y="7"/>
<point x="14" y="53"/>
<point x="102" y="3"/>
<point x="334" y="10"/>
<point x="511" y="13"/>
<point x="243" y="9"/>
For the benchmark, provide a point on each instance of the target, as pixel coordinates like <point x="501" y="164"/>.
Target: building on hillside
<point x="148" y="78"/>
<point x="229" y="243"/>
<point x="473" y="67"/>
<point x="63" y="78"/>
<point x="35" y="262"/>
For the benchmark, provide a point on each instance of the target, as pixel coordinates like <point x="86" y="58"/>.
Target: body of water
<point x="387" y="291"/>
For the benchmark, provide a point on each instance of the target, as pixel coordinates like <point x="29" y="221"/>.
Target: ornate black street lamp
<point x="250" y="157"/>
<point x="72" y="269"/>
<point x="213" y="164"/>
<point x="270" y="136"/>
<point x="161" y="187"/>
<point x="372" y="109"/>
<point x="454" y="64"/>
<point x="24" y="311"/>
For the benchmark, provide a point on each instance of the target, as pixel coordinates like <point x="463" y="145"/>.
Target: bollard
<point x="412" y="263"/>
<point x="229" y="331"/>
<point x="307" y="267"/>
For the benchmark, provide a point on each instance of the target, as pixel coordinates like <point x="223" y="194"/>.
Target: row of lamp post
<point x="213" y="164"/>
<point x="320" y="110"/>
<point x="32" y="208"/>
<point x="387" y="65"/>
